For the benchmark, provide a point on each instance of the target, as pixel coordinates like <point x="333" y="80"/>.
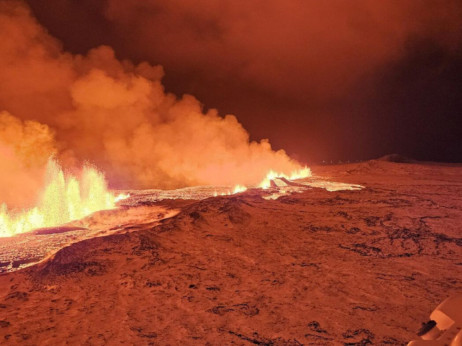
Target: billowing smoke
<point x="25" y="147"/>
<point x="112" y="113"/>
<point x="336" y="80"/>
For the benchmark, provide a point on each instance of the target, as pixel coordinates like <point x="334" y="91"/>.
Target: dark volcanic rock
<point x="314" y="268"/>
<point x="52" y="230"/>
<point x="396" y="158"/>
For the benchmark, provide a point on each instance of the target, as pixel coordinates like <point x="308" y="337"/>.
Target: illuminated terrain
<point x="354" y="266"/>
<point x="33" y="242"/>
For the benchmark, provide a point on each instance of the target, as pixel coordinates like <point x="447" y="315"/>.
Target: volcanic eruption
<point x="114" y="114"/>
<point x="133" y="213"/>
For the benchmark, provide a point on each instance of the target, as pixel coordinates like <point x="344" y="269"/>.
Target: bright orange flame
<point x="299" y="174"/>
<point x="239" y="188"/>
<point x="266" y="182"/>
<point x="67" y="198"/>
<point x="64" y="198"/>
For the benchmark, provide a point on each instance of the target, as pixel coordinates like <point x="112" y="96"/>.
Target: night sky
<point x="336" y="80"/>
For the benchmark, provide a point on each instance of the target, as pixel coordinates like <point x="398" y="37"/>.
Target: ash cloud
<point x="113" y="113"/>
<point x="314" y="76"/>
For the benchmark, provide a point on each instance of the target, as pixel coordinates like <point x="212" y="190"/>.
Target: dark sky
<point x="336" y="80"/>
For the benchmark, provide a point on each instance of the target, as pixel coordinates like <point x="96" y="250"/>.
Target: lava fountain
<point x="64" y="198"/>
<point x="304" y="172"/>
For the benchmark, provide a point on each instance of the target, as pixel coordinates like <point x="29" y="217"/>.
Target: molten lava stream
<point x="64" y="198"/>
<point x="304" y="172"/>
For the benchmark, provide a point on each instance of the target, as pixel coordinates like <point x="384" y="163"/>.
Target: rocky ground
<point x="316" y="267"/>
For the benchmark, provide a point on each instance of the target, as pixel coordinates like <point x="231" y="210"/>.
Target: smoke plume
<point x="335" y="79"/>
<point x="25" y="147"/>
<point x="113" y="113"/>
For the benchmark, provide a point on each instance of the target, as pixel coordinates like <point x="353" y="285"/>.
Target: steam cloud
<point x="24" y="150"/>
<point x="327" y="74"/>
<point x="113" y="113"/>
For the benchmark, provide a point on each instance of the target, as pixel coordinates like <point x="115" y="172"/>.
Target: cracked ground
<point x="314" y="268"/>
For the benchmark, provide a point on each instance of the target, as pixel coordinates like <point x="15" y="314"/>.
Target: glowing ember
<point x="64" y="198"/>
<point x="300" y="174"/>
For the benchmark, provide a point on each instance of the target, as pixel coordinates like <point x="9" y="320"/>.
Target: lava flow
<point x="305" y="172"/>
<point x="64" y="198"/>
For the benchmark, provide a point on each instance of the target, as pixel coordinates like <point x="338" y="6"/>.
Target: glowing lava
<point x="64" y="198"/>
<point x="304" y="172"/>
<point x="266" y="182"/>
<point x="237" y="189"/>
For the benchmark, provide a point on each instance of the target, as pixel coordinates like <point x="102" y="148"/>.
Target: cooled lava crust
<point x="314" y="268"/>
